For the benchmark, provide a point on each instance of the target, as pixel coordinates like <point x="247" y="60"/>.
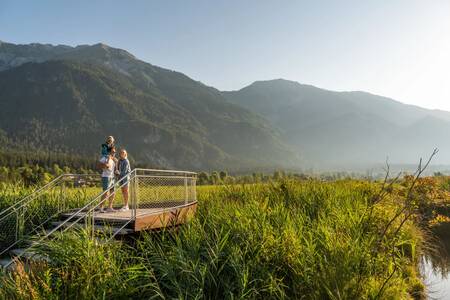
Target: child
<point x="124" y="177"/>
<point x="107" y="146"/>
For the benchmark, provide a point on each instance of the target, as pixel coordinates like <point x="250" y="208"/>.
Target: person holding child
<point x="111" y="168"/>
<point x="108" y="172"/>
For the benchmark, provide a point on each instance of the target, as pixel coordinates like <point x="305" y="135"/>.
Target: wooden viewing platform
<point x="157" y="199"/>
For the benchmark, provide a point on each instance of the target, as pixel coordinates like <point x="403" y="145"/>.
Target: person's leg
<point x="104" y="197"/>
<point x="112" y="194"/>
<point x="125" y="196"/>
<point x="105" y="186"/>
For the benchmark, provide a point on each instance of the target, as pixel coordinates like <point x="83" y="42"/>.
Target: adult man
<point x="108" y="174"/>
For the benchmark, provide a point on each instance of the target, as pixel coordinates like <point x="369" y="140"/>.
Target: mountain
<point x="12" y="55"/>
<point x="68" y="99"/>
<point x="347" y="128"/>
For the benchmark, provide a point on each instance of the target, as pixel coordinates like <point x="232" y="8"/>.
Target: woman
<point x="124" y="177"/>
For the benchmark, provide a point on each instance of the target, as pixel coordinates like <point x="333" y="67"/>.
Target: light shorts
<point x="124" y="181"/>
<point x="107" y="182"/>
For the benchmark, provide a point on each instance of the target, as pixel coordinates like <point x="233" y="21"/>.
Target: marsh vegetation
<point x="283" y="239"/>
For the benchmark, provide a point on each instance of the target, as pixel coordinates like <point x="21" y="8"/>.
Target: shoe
<point x="101" y="210"/>
<point x="125" y="208"/>
<point x="109" y="209"/>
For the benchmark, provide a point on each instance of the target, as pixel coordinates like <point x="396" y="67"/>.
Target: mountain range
<point x="347" y="128"/>
<point x="68" y="99"/>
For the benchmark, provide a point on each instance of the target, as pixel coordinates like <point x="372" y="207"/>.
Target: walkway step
<point x="107" y="229"/>
<point x="19" y="252"/>
<point x="112" y="219"/>
<point x="26" y="253"/>
<point x="44" y="232"/>
<point x="6" y="263"/>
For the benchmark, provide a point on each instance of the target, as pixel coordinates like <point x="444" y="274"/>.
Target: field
<point x="284" y="239"/>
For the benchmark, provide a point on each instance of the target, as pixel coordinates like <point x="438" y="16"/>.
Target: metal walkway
<point x="157" y="198"/>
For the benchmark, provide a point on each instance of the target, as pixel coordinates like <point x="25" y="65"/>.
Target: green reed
<point x="288" y="239"/>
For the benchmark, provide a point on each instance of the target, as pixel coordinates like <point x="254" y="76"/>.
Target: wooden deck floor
<point x="127" y="214"/>
<point x="146" y="218"/>
<point x="120" y="215"/>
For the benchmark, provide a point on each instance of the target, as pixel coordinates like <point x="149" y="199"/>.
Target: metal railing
<point x="157" y="189"/>
<point x="33" y="213"/>
<point x="79" y="196"/>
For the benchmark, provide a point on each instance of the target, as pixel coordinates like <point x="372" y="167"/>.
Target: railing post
<point x="186" y="197"/>
<point x="17" y="226"/>
<point x="194" y="187"/>
<point x="93" y="221"/>
<point x="131" y="194"/>
<point x="63" y="191"/>
<point x="136" y="194"/>
<point x="60" y="202"/>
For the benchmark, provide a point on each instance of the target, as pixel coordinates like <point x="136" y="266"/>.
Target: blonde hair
<point x="110" y="139"/>
<point x="125" y="153"/>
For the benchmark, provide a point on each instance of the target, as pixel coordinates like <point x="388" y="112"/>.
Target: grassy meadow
<point x="302" y="239"/>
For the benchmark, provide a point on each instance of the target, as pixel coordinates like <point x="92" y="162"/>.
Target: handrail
<point x="21" y="204"/>
<point x="73" y="215"/>
<point x="87" y="211"/>
<point x="166" y="171"/>
<point x="48" y="185"/>
<point x="86" y="206"/>
<point x="36" y="193"/>
<point x="57" y="179"/>
<point x="35" y="230"/>
<point x="162" y="176"/>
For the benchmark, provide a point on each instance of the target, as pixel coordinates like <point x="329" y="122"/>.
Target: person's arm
<point x="127" y="167"/>
<point x="116" y="166"/>
<point x="109" y="163"/>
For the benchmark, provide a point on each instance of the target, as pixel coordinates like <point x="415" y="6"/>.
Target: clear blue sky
<point x="399" y="49"/>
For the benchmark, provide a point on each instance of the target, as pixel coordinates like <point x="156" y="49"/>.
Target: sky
<point x="399" y="49"/>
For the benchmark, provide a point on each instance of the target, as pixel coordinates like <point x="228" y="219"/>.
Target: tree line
<point x="222" y="177"/>
<point x="40" y="167"/>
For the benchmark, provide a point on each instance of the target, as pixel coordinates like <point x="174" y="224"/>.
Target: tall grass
<point x="26" y="218"/>
<point x="290" y="239"/>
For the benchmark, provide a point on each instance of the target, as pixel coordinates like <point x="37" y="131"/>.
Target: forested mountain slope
<point x="72" y="98"/>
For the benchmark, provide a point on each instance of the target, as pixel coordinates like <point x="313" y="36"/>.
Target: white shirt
<point x="110" y="167"/>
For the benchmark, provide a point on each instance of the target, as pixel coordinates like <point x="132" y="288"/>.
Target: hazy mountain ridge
<point x="344" y="128"/>
<point x="84" y="93"/>
<point x="169" y="119"/>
